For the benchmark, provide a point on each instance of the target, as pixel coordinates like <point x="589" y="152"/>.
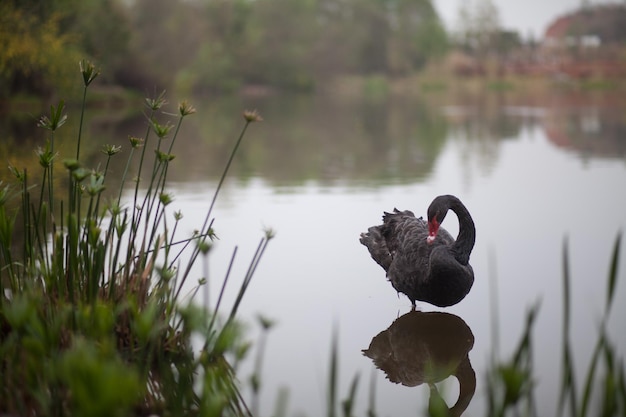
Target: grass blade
<point x="568" y="380"/>
<point x="591" y="373"/>
<point x="371" y="406"/>
<point x="332" y="377"/>
<point x="348" y="403"/>
<point x="613" y="272"/>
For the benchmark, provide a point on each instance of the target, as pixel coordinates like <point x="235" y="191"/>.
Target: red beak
<point x="433" y="228"/>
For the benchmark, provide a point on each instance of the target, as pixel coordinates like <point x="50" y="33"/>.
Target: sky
<point x="526" y="17"/>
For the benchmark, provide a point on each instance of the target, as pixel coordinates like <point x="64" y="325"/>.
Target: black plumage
<point x="422" y="260"/>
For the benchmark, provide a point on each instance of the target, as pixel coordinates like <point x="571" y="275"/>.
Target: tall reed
<point x="511" y="384"/>
<point x="91" y="316"/>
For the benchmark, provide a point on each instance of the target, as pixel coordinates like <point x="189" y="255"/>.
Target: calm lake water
<point x="319" y="171"/>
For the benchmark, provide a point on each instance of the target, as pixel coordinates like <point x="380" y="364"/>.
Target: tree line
<point x="213" y="45"/>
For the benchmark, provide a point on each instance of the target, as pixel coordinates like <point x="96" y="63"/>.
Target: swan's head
<point x="436" y="213"/>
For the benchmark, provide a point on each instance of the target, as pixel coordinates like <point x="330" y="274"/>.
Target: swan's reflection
<point x="427" y="348"/>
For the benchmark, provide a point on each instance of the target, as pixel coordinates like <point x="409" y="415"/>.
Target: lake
<point x="320" y="171"/>
<point x="533" y="172"/>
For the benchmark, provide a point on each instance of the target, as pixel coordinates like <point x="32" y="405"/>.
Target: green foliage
<point x="91" y="317"/>
<point x="376" y="87"/>
<point x="510" y="385"/>
<point x="500" y="85"/>
<point x="103" y="32"/>
<point x="213" y="70"/>
<point x="99" y="382"/>
<point x="215" y="46"/>
<point x="418" y="36"/>
<point x="612" y="396"/>
<point x="34" y="51"/>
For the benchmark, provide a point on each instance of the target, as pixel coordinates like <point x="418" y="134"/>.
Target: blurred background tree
<point x="479" y="26"/>
<point x="482" y="38"/>
<point x="34" y="48"/>
<point x="213" y="45"/>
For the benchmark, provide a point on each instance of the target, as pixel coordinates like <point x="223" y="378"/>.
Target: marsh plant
<point x="92" y="316"/>
<point x="511" y="384"/>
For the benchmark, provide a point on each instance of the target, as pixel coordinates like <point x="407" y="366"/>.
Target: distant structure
<point x="589" y="43"/>
<point x="585" y="43"/>
<point x="588" y="27"/>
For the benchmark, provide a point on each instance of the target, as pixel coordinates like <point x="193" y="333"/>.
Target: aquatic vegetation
<point x="92" y="315"/>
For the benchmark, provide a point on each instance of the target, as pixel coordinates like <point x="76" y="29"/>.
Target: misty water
<point x="320" y="170"/>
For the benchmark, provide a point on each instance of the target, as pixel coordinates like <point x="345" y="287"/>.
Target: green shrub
<point x="91" y="321"/>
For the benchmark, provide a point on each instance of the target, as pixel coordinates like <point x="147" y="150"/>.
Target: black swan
<point x="422" y="260"/>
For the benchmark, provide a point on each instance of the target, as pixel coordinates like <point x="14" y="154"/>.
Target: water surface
<point x="319" y="172"/>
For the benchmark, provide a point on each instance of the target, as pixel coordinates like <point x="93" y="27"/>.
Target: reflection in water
<point x="388" y="141"/>
<point x="429" y="347"/>
<point x="590" y="131"/>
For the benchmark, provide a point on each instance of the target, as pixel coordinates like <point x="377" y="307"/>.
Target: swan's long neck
<point x="467" y="233"/>
<point x="467" y="386"/>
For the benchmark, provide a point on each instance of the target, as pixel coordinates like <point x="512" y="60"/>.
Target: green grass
<point x="598" y="85"/>
<point x="500" y="85"/>
<point x="92" y="316"/>
<point x="433" y="86"/>
<point x="375" y="87"/>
